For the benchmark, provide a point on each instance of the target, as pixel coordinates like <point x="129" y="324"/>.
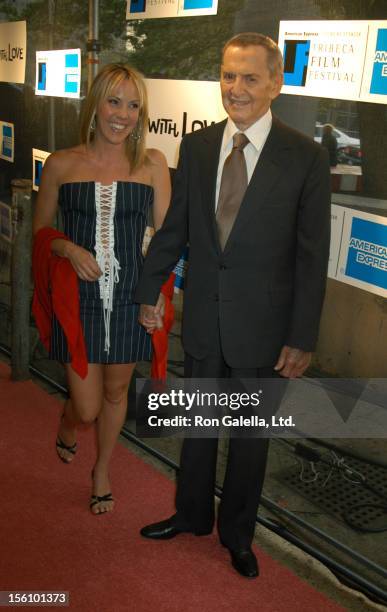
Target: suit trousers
<point x="245" y="470"/>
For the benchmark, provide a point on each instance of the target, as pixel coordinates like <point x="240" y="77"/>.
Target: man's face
<point x="246" y="84"/>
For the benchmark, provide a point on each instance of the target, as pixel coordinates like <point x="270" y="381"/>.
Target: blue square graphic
<point x="379" y="73"/>
<point x="197" y="4"/>
<point x="7" y="131"/>
<point x="6" y="151"/>
<point x="38" y="171"/>
<point x="71" y="60"/>
<point x="6" y="148"/>
<point x="71" y="83"/>
<point x="367" y="252"/>
<point x="137" y="6"/>
<point x="296" y="58"/>
<point x="42" y="76"/>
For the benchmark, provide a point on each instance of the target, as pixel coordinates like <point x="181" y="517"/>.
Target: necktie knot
<point x="240" y="140"/>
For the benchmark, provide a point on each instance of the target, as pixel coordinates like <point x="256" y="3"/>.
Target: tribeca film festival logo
<point x="367" y="252"/>
<point x="319" y="59"/>
<point x="379" y="74"/>
<point x="11" y="54"/>
<point x="296" y="59"/>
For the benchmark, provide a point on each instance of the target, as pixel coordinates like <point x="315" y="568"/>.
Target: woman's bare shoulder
<point x="63" y="162"/>
<point x="157" y="164"/>
<point x="156" y="157"/>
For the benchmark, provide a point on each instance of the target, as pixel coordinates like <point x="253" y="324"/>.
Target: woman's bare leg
<point x="84" y="405"/>
<point x="116" y="380"/>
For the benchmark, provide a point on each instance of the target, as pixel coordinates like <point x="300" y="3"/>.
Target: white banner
<point x="179" y="107"/>
<point x="335" y="59"/>
<point x="13" y="51"/>
<point x="58" y="73"/>
<point x="38" y="159"/>
<point x="7" y="141"/>
<point x="153" y="9"/>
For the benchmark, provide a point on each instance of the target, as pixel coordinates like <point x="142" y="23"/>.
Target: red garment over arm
<point x="56" y="292"/>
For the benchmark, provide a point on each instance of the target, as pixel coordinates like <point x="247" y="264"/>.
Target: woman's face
<point x="118" y="114"/>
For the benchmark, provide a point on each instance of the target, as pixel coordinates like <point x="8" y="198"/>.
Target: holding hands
<point x="151" y="317"/>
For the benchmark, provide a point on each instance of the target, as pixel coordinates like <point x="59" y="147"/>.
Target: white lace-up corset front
<point x="105" y="204"/>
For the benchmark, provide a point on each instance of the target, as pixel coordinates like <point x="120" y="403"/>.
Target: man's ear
<point x="277" y="82"/>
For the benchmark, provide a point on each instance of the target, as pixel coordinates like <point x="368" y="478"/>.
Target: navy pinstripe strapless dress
<point x="108" y="315"/>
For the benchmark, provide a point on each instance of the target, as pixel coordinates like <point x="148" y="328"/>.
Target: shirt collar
<point x="256" y="133"/>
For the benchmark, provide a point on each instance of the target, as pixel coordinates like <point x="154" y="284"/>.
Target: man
<point x="255" y="212"/>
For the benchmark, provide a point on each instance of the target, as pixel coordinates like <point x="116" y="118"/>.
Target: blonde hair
<point x="104" y="84"/>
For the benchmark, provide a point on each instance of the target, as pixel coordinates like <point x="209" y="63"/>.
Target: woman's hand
<point x="83" y="262"/>
<point x="151" y="317"/>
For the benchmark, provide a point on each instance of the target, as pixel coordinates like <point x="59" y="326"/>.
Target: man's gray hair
<point x="275" y="62"/>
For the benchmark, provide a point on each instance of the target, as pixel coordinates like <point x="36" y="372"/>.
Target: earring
<point x="136" y="134"/>
<point x="93" y="124"/>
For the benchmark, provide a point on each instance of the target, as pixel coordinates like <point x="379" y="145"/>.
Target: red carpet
<point x="50" y="541"/>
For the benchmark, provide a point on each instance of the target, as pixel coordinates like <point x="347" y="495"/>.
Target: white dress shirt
<point x="257" y="135"/>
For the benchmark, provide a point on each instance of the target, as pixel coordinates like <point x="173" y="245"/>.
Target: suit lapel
<point x="267" y="172"/>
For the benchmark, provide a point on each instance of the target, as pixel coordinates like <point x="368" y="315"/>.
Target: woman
<point x="104" y="188"/>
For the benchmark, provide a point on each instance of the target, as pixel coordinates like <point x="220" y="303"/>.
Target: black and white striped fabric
<point x="129" y="342"/>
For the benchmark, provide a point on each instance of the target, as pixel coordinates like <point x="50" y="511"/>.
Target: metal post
<point x="21" y="278"/>
<point x="93" y="45"/>
<point x="51" y="102"/>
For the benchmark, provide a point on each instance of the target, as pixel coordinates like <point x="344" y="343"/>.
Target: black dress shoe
<point x="165" y="530"/>
<point x="245" y="562"/>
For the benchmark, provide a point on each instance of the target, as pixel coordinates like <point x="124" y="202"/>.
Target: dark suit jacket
<point x="267" y="286"/>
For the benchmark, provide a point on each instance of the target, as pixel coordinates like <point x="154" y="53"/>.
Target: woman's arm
<point x="161" y="183"/>
<point x="46" y="208"/>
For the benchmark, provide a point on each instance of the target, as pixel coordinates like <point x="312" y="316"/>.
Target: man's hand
<point x="292" y="362"/>
<point x="151" y="317"/>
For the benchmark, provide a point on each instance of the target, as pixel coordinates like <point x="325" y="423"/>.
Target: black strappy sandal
<point x="70" y="449"/>
<point x="97" y="499"/>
